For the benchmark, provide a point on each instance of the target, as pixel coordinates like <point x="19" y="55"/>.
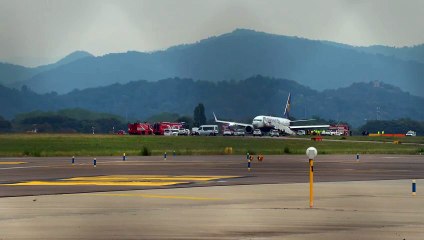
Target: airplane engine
<point x="249" y="129"/>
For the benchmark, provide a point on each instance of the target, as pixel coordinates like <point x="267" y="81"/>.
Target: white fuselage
<point x="268" y="122"/>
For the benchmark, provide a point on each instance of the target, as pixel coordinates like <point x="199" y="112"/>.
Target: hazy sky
<point x="34" y="32"/>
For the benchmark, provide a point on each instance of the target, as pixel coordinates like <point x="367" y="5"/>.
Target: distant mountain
<point x="11" y="74"/>
<point x="234" y="100"/>
<point x="414" y="53"/>
<point x="14" y="75"/>
<point x="238" y="55"/>
<point x="77" y="55"/>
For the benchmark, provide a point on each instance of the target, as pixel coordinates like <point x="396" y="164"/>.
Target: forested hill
<point x="238" y="55"/>
<point x="233" y="100"/>
<point x="12" y="75"/>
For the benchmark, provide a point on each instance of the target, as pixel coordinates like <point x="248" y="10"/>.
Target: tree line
<point x="84" y="121"/>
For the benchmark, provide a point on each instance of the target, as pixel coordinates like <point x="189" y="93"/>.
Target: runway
<point x="38" y="176"/>
<point x="343" y="210"/>
<point x="211" y="197"/>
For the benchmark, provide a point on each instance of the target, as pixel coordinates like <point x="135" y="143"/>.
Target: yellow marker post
<point x="311" y="152"/>
<point x="311" y="183"/>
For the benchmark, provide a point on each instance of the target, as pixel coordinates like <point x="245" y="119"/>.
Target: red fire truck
<point x="139" y="129"/>
<point x="159" y="127"/>
<point x="343" y="129"/>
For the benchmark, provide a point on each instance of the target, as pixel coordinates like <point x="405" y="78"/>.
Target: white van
<point x="301" y="132"/>
<point x="208" y="130"/>
<point x="170" y="132"/>
<point x="411" y="134"/>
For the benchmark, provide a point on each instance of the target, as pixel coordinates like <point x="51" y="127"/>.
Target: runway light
<point x="311" y="152"/>
<point x="164" y="156"/>
<point x="73" y="160"/>
<point x="357" y="156"/>
<point x="247" y="155"/>
<point x="414" y="187"/>
<point x="260" y="158"/>
<point x="94" y="162"/>
<point x="124" y="157"/>
<point x="173" y="153"/>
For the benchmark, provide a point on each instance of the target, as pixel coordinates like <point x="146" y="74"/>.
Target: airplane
<point x="266" y="123"/>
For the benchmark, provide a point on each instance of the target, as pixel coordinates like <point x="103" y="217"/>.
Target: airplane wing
<point x="302" y="120"/>
<point x="309" y="126"/>
<point x="232" y="123"/>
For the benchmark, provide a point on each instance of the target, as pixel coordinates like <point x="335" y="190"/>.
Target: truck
<point x="159" y="127"/>
<point x="138" y="128"/>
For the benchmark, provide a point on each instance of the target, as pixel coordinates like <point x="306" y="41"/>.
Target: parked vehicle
<point x="335" y="133"/>
<point x="208" y="130"/>
<point x="160" y="127"/>
<point x="325" y="133"/>
<point x="274" y="133"/>
<point x="139" y="129"/>
<point x="121" y="132"/>
<point x="171" y="132"/>
<point x="183" y="132"/>
<point x="411" y="134"/>
<point x="301" y="132"/>
<point x="195" y="131"/>
<point x="228" y="132"/>
<point x="257" y="132"/>
<point x="239" y="132"/>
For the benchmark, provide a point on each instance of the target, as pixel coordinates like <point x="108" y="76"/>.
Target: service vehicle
<point x="171" y="132"/>
<point x="325" y="133"/>
<point x="301" y="132"/>
<point x="121" y="132"/>
<point x="239" y="132"/>
<point x="335" y="133"/>
<point x="139" y="129"/>
<point x="257" y="132"/>
<point x="183" y="132"/>
<point x="208" y="130"/>
<point x="411" y="134"/>
<point x="228" y="132"/>
<point x="195" y="131"/>
<point x="274" y="133"/>
<point x="160" y="127"/>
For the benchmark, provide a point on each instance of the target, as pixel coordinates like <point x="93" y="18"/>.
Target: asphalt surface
<point x="365" y="210"/>
<point x="272" y="170"/>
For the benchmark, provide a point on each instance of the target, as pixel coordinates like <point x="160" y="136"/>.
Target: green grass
<point x="42" y="145"/>
<point x="419" y="139"/>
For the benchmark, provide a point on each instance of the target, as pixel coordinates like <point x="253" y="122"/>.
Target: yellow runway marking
<point x="11" y="163"/>
<point x="123" y="180"/>
<point x="148" y="178"/>
<point x="93" y="183"/>
<point x="157" y="196"/>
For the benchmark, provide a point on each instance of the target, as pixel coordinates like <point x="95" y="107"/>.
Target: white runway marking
<point x="22" y="167"/>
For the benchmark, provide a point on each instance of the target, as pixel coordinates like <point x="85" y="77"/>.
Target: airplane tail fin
<point x="216" y="120"/>
<point x="287" y="108"/>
